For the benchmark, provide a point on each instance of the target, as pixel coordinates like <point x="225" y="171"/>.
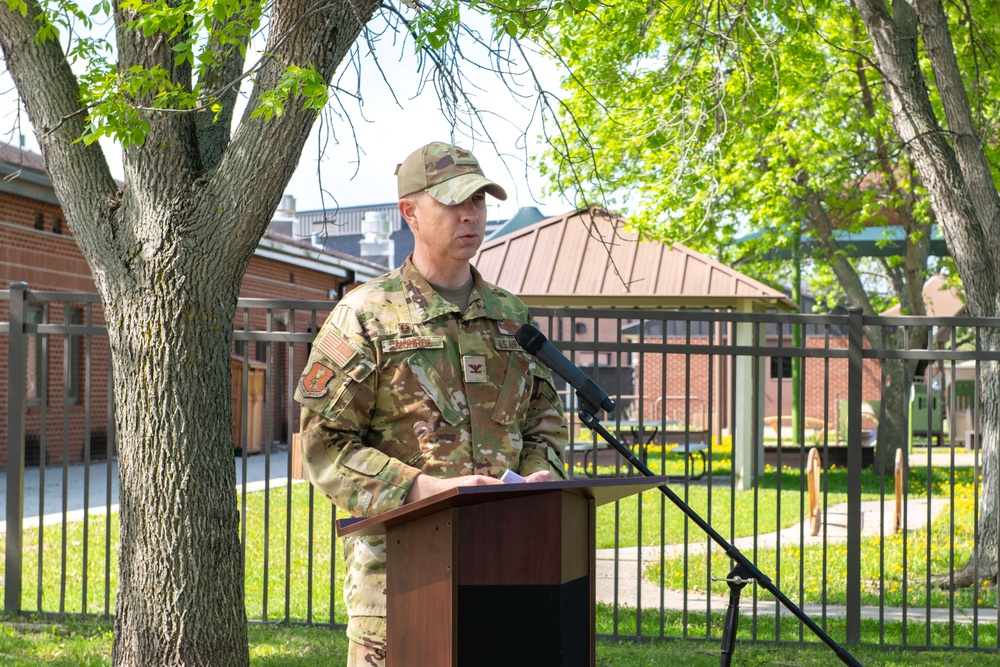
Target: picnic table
<point x="640" y="435"/>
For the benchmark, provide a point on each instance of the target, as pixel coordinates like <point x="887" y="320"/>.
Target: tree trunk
<point x="983" y="564"/>
<point x="894" y="422"/>
<point x="168" y="252"/>
<point x="963" y="196"/>
<point x="180" y="591"/>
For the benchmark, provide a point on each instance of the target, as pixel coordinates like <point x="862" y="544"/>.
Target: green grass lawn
<point x="304" y="520"/>
<point x="815" y="573"/>
<point x="306" y="523"/>
<point x="88" y="644"/>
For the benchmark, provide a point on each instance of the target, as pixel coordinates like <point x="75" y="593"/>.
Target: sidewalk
<point x="102" y="475"/>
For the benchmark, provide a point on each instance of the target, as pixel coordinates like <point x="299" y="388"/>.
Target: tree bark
<point x="180" y="591"/>
<point x="964" y="199"/>
<point x="168" y="253"/>
<point x="894" y="423"/>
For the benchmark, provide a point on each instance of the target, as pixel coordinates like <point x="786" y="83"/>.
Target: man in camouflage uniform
<point x="416" y="384"/>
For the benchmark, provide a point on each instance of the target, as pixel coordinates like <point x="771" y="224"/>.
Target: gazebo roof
<point x="587" y="258"/>
<point x="940" y="299"/>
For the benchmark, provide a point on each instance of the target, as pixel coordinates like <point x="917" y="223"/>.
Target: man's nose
<point x="467" y="209"/>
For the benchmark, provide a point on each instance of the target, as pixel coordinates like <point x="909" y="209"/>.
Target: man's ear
<point x="408" y="209"/>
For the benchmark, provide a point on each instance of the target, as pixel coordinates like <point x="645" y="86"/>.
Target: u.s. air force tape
<point x="508" y="343"/>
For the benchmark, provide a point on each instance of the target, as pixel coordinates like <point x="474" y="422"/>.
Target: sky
<point x="389" y="125"/>
<point x="389" y="128"/>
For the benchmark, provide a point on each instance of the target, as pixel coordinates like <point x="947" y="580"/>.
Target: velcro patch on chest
<point x="508" y="326"/>
<point x="507" y="343"/>
<point x="412" y="343"/>
<point x="475" y="368"/>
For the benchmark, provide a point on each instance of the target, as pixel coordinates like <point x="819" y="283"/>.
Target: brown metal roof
<point x="586" y="258"/>
<point x="940" y="299"/>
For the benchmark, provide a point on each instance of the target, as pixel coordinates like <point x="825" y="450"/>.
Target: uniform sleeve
<point x="337" y="393"/>
<point x="545" y="433"/>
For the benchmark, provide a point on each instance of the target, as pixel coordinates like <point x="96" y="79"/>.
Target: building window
<point x="39" y="221"/>
<point x="781" y="368"/>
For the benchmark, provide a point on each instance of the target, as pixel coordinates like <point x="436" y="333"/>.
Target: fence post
<point x="16" y="398"/>
<point x="855" y="368"/>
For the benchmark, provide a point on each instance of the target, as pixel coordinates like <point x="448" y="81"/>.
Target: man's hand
<point x="425" y="486"/>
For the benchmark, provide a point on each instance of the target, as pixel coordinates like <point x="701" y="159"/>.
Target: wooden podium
<point x="494" y="575"/>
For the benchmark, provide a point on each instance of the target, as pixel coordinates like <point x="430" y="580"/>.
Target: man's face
<point x="445" y="234"/>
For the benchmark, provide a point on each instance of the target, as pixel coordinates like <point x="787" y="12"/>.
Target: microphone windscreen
<point x="529" y="338"/>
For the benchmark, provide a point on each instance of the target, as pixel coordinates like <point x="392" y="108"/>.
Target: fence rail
<point x="706" y="397"/>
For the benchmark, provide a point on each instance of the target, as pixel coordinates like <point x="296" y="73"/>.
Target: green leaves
<point x="435" y="25"/>
<point x="19" y="6"/>
<point x="296" y="82"/>
<point x="199" y="34"/>
<point x="704" y="122"/>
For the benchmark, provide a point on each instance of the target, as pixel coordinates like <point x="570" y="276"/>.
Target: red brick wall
<point x="52" y="262"/>
<point x="687" y="386"/>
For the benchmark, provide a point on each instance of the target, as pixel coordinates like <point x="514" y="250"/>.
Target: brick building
<point x="70" y="393"/>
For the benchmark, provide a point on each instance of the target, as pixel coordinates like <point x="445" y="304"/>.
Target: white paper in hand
<point x="511" y="477"/>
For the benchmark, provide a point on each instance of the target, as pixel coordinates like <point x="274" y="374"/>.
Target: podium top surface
<point x="602" y="491"/>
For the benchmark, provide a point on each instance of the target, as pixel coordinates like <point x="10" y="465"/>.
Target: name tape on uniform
<point x="412" y="343"/>
<point x="506" y="343"/>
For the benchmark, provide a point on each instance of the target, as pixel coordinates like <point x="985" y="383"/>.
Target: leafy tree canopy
<point x="707" y="121"/>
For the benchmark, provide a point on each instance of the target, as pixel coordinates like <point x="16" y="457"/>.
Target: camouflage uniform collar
<point x="426" y="304"/>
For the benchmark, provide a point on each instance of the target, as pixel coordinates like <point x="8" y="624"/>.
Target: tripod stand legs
<point x="737" y="579"/>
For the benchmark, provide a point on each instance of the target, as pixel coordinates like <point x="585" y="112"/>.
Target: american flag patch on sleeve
<point x="336" y="348"/>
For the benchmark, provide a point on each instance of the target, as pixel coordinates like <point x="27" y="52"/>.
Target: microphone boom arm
<point x="744" y="569"/>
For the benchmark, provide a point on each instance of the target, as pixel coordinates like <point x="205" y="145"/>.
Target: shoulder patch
<point x="314" y="383"/>
<point x="338" y="349"/>
<point x="412" y="343"/>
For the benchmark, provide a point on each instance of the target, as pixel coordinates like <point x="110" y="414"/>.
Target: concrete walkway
<point x="99" y="486"/>
<point x="940" y="457"/>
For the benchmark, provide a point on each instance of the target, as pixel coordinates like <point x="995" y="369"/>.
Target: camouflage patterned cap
<point x="448" y="173"/>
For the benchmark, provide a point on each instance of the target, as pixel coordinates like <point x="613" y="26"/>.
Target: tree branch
<point x="895" y="40"/>
<point x="302" y="33"/>
<point x="80" y="174"/>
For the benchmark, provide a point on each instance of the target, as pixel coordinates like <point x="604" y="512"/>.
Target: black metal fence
<point x="766" y="424"/>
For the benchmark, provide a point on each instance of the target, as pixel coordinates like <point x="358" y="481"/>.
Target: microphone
<point x="535" y="343"/>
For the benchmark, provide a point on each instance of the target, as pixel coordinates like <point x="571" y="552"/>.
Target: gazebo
<point x="589" y="258"/>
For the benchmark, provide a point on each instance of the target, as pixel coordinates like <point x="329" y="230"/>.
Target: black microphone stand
<point x="743" y="571"/>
